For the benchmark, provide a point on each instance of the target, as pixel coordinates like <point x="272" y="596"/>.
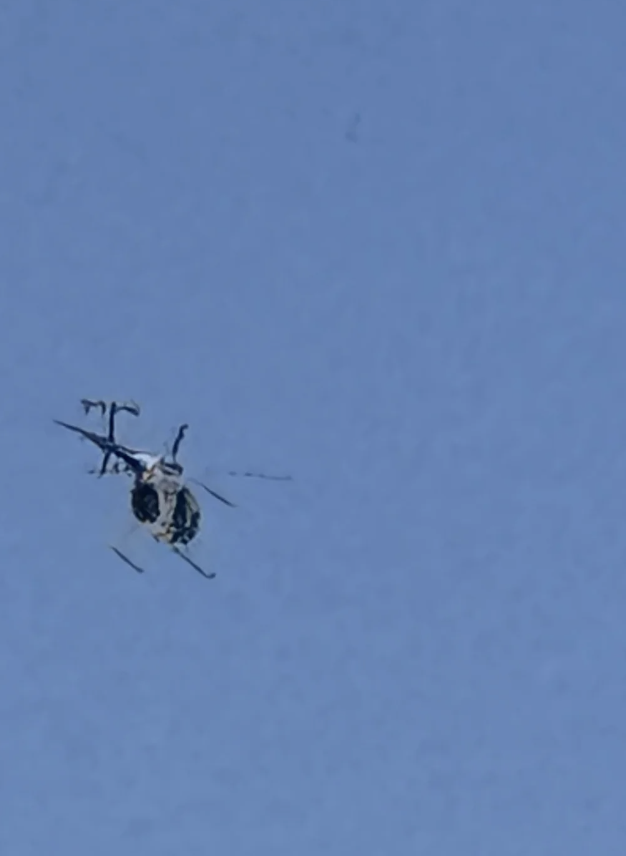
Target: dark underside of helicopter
<point x="185" y="519"/>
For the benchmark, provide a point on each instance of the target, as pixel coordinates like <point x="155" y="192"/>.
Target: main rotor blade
<point x="251" y="475"/>
<point x="214" y="493"/>
<point x="100" y="440"/>
<point x="179" y="437"/>
<point x="106" y="446"/>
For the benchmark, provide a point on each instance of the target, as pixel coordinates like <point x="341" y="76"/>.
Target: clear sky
<point x="379" y="246"/>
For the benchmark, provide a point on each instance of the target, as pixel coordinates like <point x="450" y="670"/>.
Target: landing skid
<point x="193" y="564"/>
<point x="127" y="560"/>
<point x="178" y="552"/>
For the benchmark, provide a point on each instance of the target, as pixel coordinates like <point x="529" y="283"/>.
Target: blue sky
<point x="379" y="246"/>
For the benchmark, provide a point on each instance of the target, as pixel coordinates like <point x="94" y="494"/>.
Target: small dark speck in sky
<point x="351" y="133"/>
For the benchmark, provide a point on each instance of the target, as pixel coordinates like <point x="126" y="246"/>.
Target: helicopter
<point x="160" y="498"/>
